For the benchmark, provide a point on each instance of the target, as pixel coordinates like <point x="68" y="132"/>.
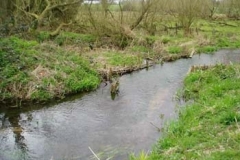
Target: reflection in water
<point x="11" y="120"/>
<point x="111" y="128"/>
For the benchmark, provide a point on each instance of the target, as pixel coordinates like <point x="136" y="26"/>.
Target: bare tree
<point x="231" y="8"/>
<point x="115" y="23"/>
<point x="185" y="11"/>
<point x="210" y="7"/>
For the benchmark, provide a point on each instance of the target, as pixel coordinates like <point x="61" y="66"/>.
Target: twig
<point x="93" y="153"/>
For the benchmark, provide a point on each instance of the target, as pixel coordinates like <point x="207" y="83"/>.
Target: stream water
<point x="111" y="128"/>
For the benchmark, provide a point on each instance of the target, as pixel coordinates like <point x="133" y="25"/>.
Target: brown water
<point x="110" y="128"/>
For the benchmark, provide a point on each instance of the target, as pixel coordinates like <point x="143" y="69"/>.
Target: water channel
<point x="110" y="128"/>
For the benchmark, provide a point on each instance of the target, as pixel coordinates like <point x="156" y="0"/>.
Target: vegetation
<point x="52" y="48"/>
<point x="33" y="71"/>
<point x="208" y="127"/>
<point x="38" y="34"/>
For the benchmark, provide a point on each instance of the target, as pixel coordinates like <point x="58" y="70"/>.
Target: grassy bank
<point x="207" y="36"/>
<point x="33" y="71"/>
<point x="209" y="127"/>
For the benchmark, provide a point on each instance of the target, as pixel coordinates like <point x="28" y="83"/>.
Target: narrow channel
<point x="111" y="128"/>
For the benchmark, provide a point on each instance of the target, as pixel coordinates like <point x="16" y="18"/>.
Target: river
<point x="111" y="128"/>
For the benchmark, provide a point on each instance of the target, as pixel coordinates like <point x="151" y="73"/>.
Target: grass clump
<point x="166" y="40"/>
<point x="207" y="49"/>
<point x="209" y="127"/>
<point x="42" y="36"/>
<point x="174" y="49"/>
<point x="122" y="59"/>
<point x="40" y="72"/>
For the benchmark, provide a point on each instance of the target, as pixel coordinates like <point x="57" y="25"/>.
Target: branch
<point x="121" y="13"/>
<point x="27" y="13"/>
<point x="47" y="8"/>
<point x="141" y="17"/>
<point x="56" y="32"/>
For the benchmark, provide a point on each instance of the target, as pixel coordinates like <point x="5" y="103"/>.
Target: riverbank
<point x="33" y="71"/>
<point x="209" y="126"/>
<point x="38" y="67"/>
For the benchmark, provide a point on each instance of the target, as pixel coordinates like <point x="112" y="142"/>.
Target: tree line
<point x="106" y="18"/>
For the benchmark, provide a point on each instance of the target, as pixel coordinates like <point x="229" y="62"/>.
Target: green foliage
<point x="174" y="49"/>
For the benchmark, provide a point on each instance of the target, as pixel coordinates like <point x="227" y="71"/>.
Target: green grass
<point x="174" y="49"/>
<point x="65" y="38"/>
<point x="41" y="72"/>
<point x="142" y="49"/>
<point x="221" y="36"/>
<point x="74" y="38"/>
<point x="122" y="59"/>
<point x="166" y="39"/>
<point x="209" y="127"/>
<point x="207" y="49"/>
